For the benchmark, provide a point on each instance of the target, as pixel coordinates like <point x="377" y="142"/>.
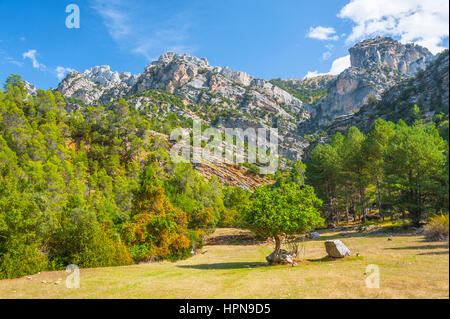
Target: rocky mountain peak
<point x="385" y="51"/>
<point x="169" y="57"/>
<point x="106" y="78"/>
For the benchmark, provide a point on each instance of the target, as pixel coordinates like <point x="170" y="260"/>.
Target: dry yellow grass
<point x="409" y="267"/>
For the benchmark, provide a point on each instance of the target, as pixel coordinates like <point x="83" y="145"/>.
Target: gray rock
<point x="285" y="257"/>
<point x="385" y="51"/>
<point x="336" y="249"/>
<point x="314" y="235"/>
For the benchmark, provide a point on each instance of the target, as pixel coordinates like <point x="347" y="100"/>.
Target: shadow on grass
<point x="236" y="265"/>
<point x="323" y="259"/>
<point x="420" y="247"/>
<point x="331" y="259"/>
<point x="391" y="231"/>
<point x="434" y="253"/>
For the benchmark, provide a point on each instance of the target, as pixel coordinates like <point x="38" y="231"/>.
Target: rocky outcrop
<point x="376" y="65"/>
<point x="352" y="89"/>
<point x="384" y="51"/>
<point x="428" y="89"/>
<point x="31" y="88"/>
<point x="98" y="84"/>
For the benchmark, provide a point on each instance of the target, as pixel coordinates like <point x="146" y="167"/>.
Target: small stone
<point x="389" y="239"/>
<point x="29" y="278"/>
<point x="44" y="281"/>
<point x="314" y="235"/>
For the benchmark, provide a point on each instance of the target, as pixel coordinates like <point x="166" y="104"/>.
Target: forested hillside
<point x="96" y="187"/>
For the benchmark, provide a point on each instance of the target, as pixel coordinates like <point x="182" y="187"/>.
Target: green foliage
<point x="156" y="229"/>
<point x="236" y="201"/>
<point x="395" y="168"/>
<point x="73" y="188"/>
<point x="283" y="209"/>
<point x="306" y="93"/>
<point x="437" y="228"/>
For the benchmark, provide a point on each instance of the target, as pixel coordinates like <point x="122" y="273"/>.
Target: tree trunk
<point x="347" y="217"/>
<point x="276" y="256"/>
<point x="364" y="215"/>
<point x="380" y="212"/>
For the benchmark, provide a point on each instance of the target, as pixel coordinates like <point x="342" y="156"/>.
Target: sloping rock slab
<point x="336" y="249"/>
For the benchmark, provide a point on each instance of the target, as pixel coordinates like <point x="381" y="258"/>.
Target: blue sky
<point x="265" y="38"/>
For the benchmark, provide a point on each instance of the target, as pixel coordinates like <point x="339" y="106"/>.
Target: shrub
<point x="231" y="218"/>
<point x="81" y="240"/>
<point x="22" y="260"/>
<point x="156" y="229"/>
<point x="437" y="229"/>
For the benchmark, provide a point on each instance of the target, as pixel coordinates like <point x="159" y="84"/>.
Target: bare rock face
<point x="429" y="90"/>
<point x="385" y="51"/>
<point x="97" y="84"/>
<point x="336" y="249"/>
<point x="31" y="88"/>
<point x="352" y="89"/>
<point x="376" y="65"/>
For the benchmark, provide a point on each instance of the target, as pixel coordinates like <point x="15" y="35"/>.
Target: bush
<point x="81" y="240"/>
<point x="22" y="260"/>
<point x="231" y="218"/>
<point x="437" y="228"/>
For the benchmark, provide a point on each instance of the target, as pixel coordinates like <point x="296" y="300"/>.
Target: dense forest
<point x="396" y="169"/>
<point x="94" y="187"/>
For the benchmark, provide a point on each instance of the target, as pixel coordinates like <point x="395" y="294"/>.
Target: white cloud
<point x="326" y="55"/>
<point x="322" y="33"/>
<point x="13" y="61"/>
<point x="313" y="74"/>
<point x="142" y="31"/>
<point x="337" y="67"/>
<point x="62" y="71"/>
<point x="423" y="22"/>
<point x="115" y="19"/>
<point x="340" y="65"/>
<point x="31" y="54"/>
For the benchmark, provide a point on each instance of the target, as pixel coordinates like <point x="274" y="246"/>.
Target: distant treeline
<point x="397" y="169"/>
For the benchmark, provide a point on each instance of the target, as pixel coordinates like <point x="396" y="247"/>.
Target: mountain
<point x="376" y="65"/>
<point x="301" y="109"/>
<point x="428" y="89"/>
<point x="220" y="96"/>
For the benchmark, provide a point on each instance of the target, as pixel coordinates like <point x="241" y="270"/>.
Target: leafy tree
<point x="283" y="210"/>
<point x="156" y="229"/>
<point x="414" y="167"/>
<point x="373" y="148"/>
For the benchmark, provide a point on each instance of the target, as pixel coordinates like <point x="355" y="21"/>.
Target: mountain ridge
<point x="225" y="98"/>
